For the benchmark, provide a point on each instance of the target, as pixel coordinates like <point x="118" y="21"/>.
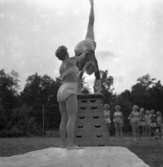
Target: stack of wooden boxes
<point x="91" y="128"/>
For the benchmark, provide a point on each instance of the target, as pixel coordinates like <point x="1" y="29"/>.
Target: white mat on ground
<point x="80" y="157"/>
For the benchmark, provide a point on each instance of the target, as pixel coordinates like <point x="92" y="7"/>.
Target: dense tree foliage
<point x="147" y="92"/>
<point x="9" y="97"/>
<point x="40" y="93"/>
<point x="34" y="110"/>
<point x="31" y="111"/>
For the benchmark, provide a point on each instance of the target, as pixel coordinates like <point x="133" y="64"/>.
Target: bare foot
<point x="91" y="2"/>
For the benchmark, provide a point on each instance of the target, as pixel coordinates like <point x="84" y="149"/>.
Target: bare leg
<point x="90" y="35"/>
<point x="62" y="128"/>
<point x="71" y="107"/>
<point x="116" y="129"/>
<point x="90" y="28"/>
<point x="121" y="130"/>
<point x="137" y="130"/>
<point x="144" y="132"/>
<point x="134" y="130"/>
<point x="92" y="65"/>
<point x="108" y="126"/>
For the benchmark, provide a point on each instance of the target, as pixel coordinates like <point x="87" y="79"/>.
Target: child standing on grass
<point x="147" y="118"/>
<point x="118" y="121"/>
<point x="134" y="119"/>
<point x="159" y="121"/>
<point x="107" y="117"/>
<point x="153" y="122"/>
<point x="142" y="122"/>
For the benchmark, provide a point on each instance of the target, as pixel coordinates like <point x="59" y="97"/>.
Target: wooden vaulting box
<point x="90" y="124"/>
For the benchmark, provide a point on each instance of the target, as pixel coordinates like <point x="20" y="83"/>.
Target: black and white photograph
<point x="81" y="83"/>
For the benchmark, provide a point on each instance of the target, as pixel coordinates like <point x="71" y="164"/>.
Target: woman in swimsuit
<point x="67" y="94"/>
<point x="134" y="118"/>
<point x="118" y="121"/>
<point x="107" y="116"/>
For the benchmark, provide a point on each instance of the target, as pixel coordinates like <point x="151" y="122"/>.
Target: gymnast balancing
<point x="71" y="71"/>
<point x="90" y="63"/>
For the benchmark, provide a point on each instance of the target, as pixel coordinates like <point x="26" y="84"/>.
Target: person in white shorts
<point x="67" y="94"/>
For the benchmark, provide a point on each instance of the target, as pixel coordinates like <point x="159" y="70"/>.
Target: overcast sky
<point x="129" y="36"/>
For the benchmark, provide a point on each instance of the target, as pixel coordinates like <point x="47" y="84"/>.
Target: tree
<point x="124" y="100"/>
<point x="146" y="81"/>
<point x="3" y="117"/>
<point x="156" y="96"/>
<point x="147" y="92"/>
<point x="40" y="92"/>
<point x="107" y="86"/>
<point x="23" y="122"/>
<point x="141" y="91"/>
<point x="8" y="94"/>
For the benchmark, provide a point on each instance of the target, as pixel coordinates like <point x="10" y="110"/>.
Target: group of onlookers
<point x="146" y="122"/>
<point x="143" y="122"/>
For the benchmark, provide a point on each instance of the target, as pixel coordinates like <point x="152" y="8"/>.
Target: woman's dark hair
<point x="61" y="52"/>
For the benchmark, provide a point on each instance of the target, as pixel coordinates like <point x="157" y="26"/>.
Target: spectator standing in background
<point x="142" y="122"/>
<point x="107" y="116"/>
<point x="159" y="121"/>
<point x="134" y="119"/>
<point x="162" y="130"/>
<point x="147" y="118"/>
<point x="153" y="121"/>
<point x="118" y="121"/>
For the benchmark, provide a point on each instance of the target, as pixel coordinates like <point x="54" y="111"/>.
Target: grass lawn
<point x="148" y="149"/>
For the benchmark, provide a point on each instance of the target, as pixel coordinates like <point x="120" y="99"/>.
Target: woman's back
<point x="69" y="71"/>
